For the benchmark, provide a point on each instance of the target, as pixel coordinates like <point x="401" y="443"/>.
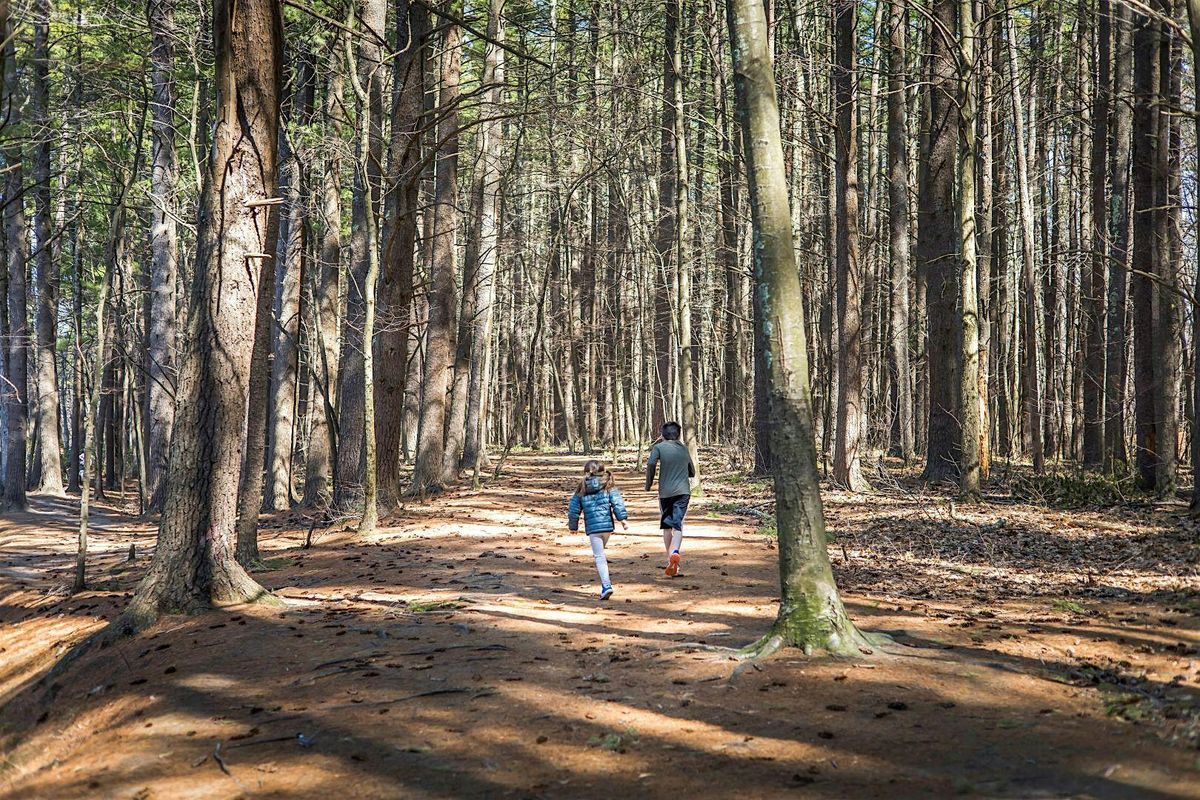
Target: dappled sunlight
<point x="462" y="652"/>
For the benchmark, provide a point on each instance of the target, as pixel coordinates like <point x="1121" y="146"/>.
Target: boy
<point x="676" y="469"/>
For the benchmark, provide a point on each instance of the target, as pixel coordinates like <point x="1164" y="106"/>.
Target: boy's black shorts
<point x="673" y="510"/>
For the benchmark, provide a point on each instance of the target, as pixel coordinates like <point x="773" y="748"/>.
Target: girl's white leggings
<point x="598" y="541"/>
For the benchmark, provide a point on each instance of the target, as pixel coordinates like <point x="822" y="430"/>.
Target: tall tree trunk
<point x="487" y="232"/>
<point x="396" y="279"/>
<point x="683" y="258"/>
<point x="1193" y="11"/>
<point x="968" y="356"/>
<point x="161" y="320"/>
<point x="364" y="91"/>
<point x="664" y="236"/>
<point x="1168" y="236"/>
<point x="848" y="439"/>
<point x="16" y="249"/>
<point x="811" y="614"/>
<point x="348" y="483"/>
<point x="290" y="267"/>
<point x="428" y="473"/>
<point x="1032" y="385"/>
<point x="47" y="467"/>
<point x="937" y="244"/>
<point x="1116" y="333"/>
<point x="1094" y="288"/>
<point x="898" y="227"/>
<point x="194" y="565"/>
<point x="1146" y="176"/>
<point x="323" y="287"/>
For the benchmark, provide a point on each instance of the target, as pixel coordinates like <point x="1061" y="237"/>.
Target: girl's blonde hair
<point x="591" y="469"/>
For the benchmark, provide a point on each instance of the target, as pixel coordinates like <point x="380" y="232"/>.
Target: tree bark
<point x="348" y="483"/>
<point x="1119" y="224"/>
<point x="290" y="267"/>
<point x="47" y="467"/>
<point x="968" y="357"/>
<point x="1146" y="177"/>
<point x="396" y="280"/>
<point x="323" y="306"/>
<point x="848" y="438"/>
<point x="161" y="319"/>
<point x="898" y="228"/>
<point x="487" y="232"/>
<point x="811" y="614"/>
<point x="194" y="565"/>
<point x="937" y="245"/>
<point x="15" y="390"/>
<point x="1094" y="288"/>
<point x="1032" y="323"/>
<point x="429" y="471"/>
<point x="664" y="236"/>
<point x="1193" y="12"/>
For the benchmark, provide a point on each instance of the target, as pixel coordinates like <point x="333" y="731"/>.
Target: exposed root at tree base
<point x="845" y="641"/>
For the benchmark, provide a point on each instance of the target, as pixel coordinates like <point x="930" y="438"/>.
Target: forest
<point x="316" y="312"/>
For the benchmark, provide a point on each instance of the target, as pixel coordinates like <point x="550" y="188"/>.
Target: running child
<point x="598" y="502"/>
<point x="670" y="458"/>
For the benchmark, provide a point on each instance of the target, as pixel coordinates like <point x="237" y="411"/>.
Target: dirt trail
<point x="463" y="653"/>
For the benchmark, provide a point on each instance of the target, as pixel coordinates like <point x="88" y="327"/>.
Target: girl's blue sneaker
<point x="605" y="592"/>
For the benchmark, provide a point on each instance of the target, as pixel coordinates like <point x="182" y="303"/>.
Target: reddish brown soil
<point x="463" y="653"/>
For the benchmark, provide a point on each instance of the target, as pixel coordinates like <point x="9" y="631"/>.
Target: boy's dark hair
<point x="671" y="431"/>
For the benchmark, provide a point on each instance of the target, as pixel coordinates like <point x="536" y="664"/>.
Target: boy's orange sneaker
<point x="672" y="566"/>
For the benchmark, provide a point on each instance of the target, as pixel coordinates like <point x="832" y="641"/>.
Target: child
<point x="599" y="502"/>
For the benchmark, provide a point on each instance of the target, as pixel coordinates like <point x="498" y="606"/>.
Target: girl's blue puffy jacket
<point x="597" y="505"/>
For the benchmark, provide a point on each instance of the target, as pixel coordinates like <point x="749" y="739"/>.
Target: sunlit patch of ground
<point x="461" y="652"/>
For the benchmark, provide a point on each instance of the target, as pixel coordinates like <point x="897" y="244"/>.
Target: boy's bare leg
<point x="667" y="537"/>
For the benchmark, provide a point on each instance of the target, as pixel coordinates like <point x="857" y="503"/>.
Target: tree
<point x="898" y="227"/>
<point x="429" y="473"/>
<point x="160" y="322"/>
<point x="811" y="615"/>
<point x="290" y="257"/>
<point x="47" y="466"/>
<point x="1094" y="287"/>
<point x="847" y="458"/>
<point x="1119" y="225"/>
<point x="1032" y="322"/>
<point x="400" y="239"/>
<point x="937" y="242"/>
<point x="322" y="319"/>
<point x="487" y="247"/>
<point x="1146" y="252"/>
<point x="194" y="565"/>
<point x="968" y="359"/>
<point x="349" y="477"/>
<point x="1193" y="12"/>
<point x="16" y="248"/>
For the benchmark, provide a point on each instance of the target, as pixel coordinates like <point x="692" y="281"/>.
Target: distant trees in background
<point x="521" y="223"/>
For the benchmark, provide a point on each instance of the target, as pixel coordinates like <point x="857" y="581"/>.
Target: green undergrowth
<point x="418" y="607"/>
<point x="617" y="742"/>
<point x="1077" y="490"/>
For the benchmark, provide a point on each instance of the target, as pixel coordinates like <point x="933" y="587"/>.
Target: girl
<point x="599" y="502"/>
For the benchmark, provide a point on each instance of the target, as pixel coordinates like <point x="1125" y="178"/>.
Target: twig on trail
<point x="272" y="740"/>
<point x="689" y="647"/>
<point x="434" y="650"/>
<point x="220" y="761"/>
<point x="361" y="657"/>
<point x="430" y="693"/>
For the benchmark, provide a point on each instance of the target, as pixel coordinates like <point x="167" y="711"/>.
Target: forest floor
<point x="461" y="651"/>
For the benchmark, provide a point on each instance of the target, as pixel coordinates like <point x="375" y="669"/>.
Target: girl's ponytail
<point x="591" y="469"/>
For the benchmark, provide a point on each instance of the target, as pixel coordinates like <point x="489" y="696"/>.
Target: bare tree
<point x="194" y="565"/>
